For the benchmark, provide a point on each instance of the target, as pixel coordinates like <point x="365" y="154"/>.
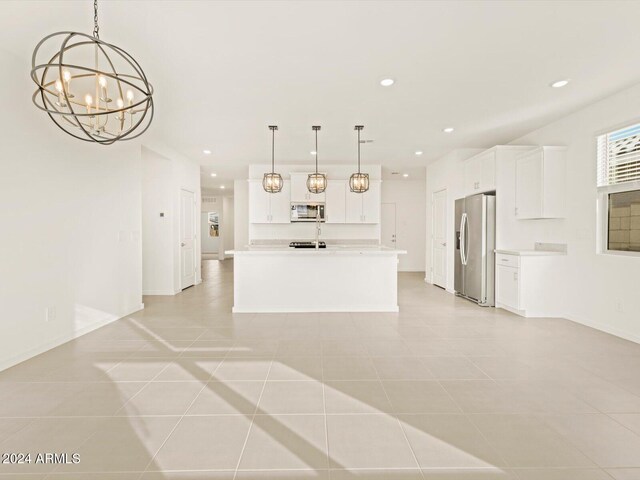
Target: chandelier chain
<point x="358" y="150"/>
<point x="96" y="28"/>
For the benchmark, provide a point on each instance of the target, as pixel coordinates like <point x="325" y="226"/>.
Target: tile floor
<point x="442" y="390"/>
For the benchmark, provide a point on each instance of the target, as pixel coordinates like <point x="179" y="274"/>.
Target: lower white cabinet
<point x="269" y="207"/>
<point x="528" y="284"/>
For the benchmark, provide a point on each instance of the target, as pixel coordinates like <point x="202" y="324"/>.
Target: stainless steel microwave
<point x="307" y="212"/>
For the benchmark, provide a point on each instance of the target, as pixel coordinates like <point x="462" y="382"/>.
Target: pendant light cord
<point x="96" y="28"/>
<point x="358" y="151"/>
<point x="316" y="151"/>
<point x="273" y="149"/>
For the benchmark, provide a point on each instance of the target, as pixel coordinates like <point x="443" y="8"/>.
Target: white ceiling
<point x="223" y="71"/>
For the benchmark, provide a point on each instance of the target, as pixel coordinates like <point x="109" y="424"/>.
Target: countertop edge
<point x="531" y="253"/>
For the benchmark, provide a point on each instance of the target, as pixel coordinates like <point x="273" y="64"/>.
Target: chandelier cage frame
<point x="316" y="182"/>
<point x="272" y="182"/>
<point x="359" y="182"/>
<point x="65" y="112"/>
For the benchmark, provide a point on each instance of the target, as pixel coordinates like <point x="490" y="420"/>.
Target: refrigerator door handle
<point x="463" y="235"/>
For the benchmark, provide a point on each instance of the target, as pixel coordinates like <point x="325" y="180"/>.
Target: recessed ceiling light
<point x="405" y="175"/>
<point x="313" y="152"/>
<point x="222" y="187"/>
<point x="206" y="152"/>
<point x="419" y="152"/>
<point x="387" y="82"/>
<point x="214" y="174"/>
<point x="560" y="83"/>
<point x="447" y="130"/>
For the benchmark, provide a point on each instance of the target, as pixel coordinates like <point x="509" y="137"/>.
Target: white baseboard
<point x="632" y="337"/>
<point x="64" y="338"/>
<point x="158" y="292"/>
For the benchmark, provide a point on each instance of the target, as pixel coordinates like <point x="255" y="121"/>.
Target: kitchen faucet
<point x="317" y="228"/>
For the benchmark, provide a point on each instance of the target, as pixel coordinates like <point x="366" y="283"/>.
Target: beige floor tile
<point x="401" y="368"/>
<point x="97" y="399"/>
<point x="381" y="474"/>
<point x="562" y="474"/>
<point x="356" y="397"/>
<point x="285" y="442"/>
<point x="122" y="444"/>
<point x="348" y="368"/>
<point x="9" y="426"/>
<point x="283" y="475"/>
<point x="162" y="398"/>
<point x="227" y="398"/>
<point x="299" y="348"/>
<point x="624" y="473"/>
<point x="629" y="420"/>
<point x="209" y="349"/>
<point x="291" y="397"/>
<point x="201" y="475"/>
<point x="469" y="474"/>
<point x="242" y="369"/>
<point x="419" y="397"/>
<point x="136" y="370"/>
<point x="452" y="368"/>
<point x="189" y="369"/>
<point x="528" y="441"/>
<point x="486" y="396"/>
<point x="296" y="368"/>
<point x="449" y="441"/>
<point x="601" y="438"/>
<point x="204" y="443"/>
<point x="386" y="445"/>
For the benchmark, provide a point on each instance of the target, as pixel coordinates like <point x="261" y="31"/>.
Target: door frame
<point x="433" y="224"/>
<point x="195" y="239"/>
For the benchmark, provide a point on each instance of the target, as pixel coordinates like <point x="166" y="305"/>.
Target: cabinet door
<point x="259" y="203"/>
<point x="488" y="172"/>
<point x="353" y="207"/>
<point x="335" y="208"/>
<point x="299" y="192"/>
<point x="529" y="186"/>
<point x="472" y="175"/>
<point x="371" y="204"/>
<point x="554" y="181"/>
<point x="281" y="204"/>
<point x="508" y="283"/>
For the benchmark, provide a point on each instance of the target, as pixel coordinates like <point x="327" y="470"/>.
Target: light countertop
<point x="330" y="250"/>
<point x="531" y="253"/>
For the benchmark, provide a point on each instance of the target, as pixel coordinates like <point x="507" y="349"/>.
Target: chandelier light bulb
<point x="88" y="100"/>
<point x="59" y="86"/>
<point x="119" y="103"/>
<point x="66" y="76"/>
<point x="102" y="81"/>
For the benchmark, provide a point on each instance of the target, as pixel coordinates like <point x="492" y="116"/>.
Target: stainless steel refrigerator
<point x="475" y="235"/>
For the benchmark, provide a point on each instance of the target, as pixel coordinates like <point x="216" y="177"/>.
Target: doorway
<point x="388" y="225"/>
<point x="187" y="239"/>
<point x="439" y="239"/>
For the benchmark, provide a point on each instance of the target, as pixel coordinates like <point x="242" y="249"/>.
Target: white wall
<point x="164" y="174"/>
<point x="599" y="290"/>
<point x="70" y="227"/>
<point x="445" y="173"/>
<point x="409" y="197"/>
<point x="228" y="226"/>
<point x="240" y="214"/>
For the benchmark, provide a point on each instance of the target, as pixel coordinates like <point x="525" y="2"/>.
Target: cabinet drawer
<point x="507" y="260"/>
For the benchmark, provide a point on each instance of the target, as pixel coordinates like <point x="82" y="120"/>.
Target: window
<point x="619" y="188"/>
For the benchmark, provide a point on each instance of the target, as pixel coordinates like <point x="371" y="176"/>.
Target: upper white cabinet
<point x="480" y="173"/>
<point x="335" y="208"/>
<point x="363" y="207"/>
<point x="541" y="183"/>
<point x="300" y="193"/>
<point x="269" y="207"/>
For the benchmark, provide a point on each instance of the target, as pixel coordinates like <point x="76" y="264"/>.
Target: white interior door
<point x="439" y="239"/>
<point x="388" y="224"/>
<point x="187" y="239"/>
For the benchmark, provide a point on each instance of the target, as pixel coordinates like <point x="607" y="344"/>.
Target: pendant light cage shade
<point x="92" y="90"/>
<point x="316" y="182"/>
<point x="359" y="182"/>
<point x="272" y="182"/>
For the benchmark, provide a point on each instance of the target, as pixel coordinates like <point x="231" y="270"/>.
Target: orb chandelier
<point x="92" y="90"/>
<point x="359" y="182"/>
<point x="316" y="182"/>
<point x="272" y="182"/>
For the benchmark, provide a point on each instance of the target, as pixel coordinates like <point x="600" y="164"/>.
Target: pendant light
<point x="316" y="182"/>
<point x="92" y="90"/>
<point x="272" y="182"/>
<point x="359" y="182"/>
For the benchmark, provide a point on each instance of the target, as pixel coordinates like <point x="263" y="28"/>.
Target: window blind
<point x="619" y="156"/>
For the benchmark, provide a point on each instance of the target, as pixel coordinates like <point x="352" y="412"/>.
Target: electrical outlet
<point x="50" y="314"/>
<point x="619" y="307"/>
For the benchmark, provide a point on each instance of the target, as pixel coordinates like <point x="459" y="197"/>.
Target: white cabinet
<point x="300" y="193"/>
<point x="363" y="207"/>
<point x="480" y="173"/>
<point x="269" y="207"/>
<point x="335" y="206"/>
<point x="541" y="183"/>
<point x="508" y="293"/>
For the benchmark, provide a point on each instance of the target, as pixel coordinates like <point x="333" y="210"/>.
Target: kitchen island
<point x="334" y="279"/>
